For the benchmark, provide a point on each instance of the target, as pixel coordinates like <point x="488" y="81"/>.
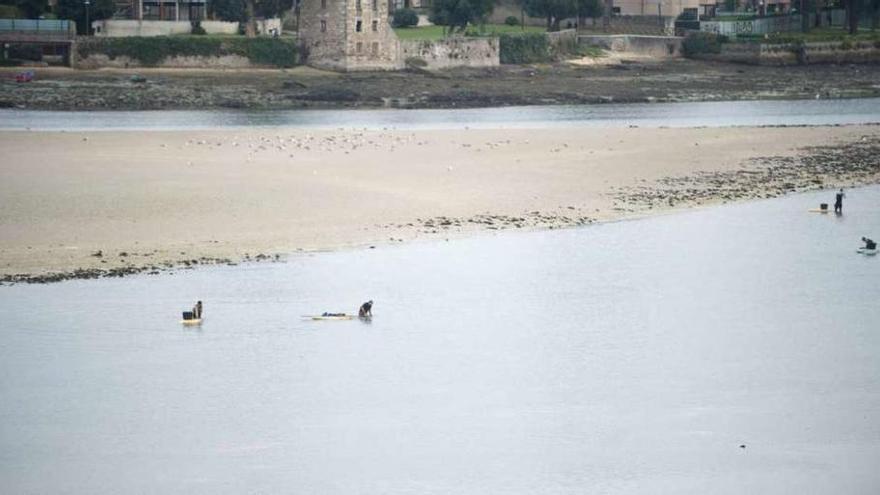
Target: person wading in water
<point x="197" y="311"/>
<point x="366" y="309"/>
<point x="838" y="202"/>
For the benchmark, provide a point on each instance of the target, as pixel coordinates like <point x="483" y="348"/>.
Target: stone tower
<point x="349" y="35"/>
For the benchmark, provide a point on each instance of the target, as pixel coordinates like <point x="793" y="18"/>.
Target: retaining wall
<point x="119" y="28"/>
<point x="562" y="41"/>
<point x="655" y="46"/>
<point x="767" y="25"/>
<point x="773" y="24"/>
<point x="452" y="52"/>
<point x="835" y="52"/>
<point x="97" y="61"/>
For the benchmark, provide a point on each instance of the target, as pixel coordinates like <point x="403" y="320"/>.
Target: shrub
<point x="10" y="12"/>
<point x="511" y="21"/>
<point x="438" y="18"/>
<point x="404" y="18"/>
<point x="846" y="45"/>
<point x="699" y="43"/>
<point x="524" y="48"/>
<point x="278" y="52"/>
<point x="197" y="28"/>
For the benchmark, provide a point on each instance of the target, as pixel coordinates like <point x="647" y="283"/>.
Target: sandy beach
<point x="131" y="201"/>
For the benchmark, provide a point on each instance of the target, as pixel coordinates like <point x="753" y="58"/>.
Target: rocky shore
<point x="628" y="81"/>
<point x="818" y="167"/>
<point x="133" y="268"/>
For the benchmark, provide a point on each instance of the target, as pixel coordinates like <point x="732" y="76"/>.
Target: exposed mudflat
<point x="116" y="203"/>
<point x="636" y="80"/>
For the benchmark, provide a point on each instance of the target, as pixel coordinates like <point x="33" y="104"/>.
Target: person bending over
<point x="366" y="309"/>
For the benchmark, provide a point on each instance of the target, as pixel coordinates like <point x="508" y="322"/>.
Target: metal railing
<point x="36" y="25"/>
<point x="36" y="30"/>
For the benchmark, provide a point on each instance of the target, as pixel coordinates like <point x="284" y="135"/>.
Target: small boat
<point x="330" y="316"/>
<point x="867" y="252"/>
<point x="189" y="318"/>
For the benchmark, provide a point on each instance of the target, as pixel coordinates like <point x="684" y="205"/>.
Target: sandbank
<point x="148" y="200"/>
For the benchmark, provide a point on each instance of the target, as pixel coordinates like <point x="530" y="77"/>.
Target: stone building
<point x="349" y="35"/>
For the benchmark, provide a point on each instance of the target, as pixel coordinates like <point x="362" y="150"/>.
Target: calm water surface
<point x="712" y="114"/>
<point x="633" y="357"/>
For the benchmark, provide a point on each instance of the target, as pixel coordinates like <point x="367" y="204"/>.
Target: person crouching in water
<point x="869" y="244"/>
<point x="366" y="309"/>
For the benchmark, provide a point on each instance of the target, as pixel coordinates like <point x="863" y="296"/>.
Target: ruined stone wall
<point x="453" y="52"/>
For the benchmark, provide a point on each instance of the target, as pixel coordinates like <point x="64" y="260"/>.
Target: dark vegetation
<point x="404" y="18"/>
<point x="275" y="52"/>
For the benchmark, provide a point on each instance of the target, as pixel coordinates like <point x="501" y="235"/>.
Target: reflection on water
<point x="633" y="357"/>
<point x="741" y="113"/>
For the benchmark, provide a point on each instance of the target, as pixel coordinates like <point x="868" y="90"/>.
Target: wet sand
<point x="86" y="205"/>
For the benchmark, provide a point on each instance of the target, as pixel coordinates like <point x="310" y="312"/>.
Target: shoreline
<point x="80" y="207"/>
<point x="166" y="268"/>
<point x="487" y="104"/>
<point x="634" y="80"/>
<point x="596" y="124"/>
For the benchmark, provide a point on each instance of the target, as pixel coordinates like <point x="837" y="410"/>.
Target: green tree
<point x="606" y="16"/>
<point x="75" y="10"/>
<point x="246" y="11"/>
<point x="31" y="9"/>
<point x="589" y="8"/>
<point x="804" y="11"/>
<point x="457" y="14"/>
<point x="229" y="10"/>
<point x="552" y="10"/>
<point x="873" y="6"/>
<point x="405" y="18"/>
<point x="271" y="8"/>
<point x="852" y="16"/>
